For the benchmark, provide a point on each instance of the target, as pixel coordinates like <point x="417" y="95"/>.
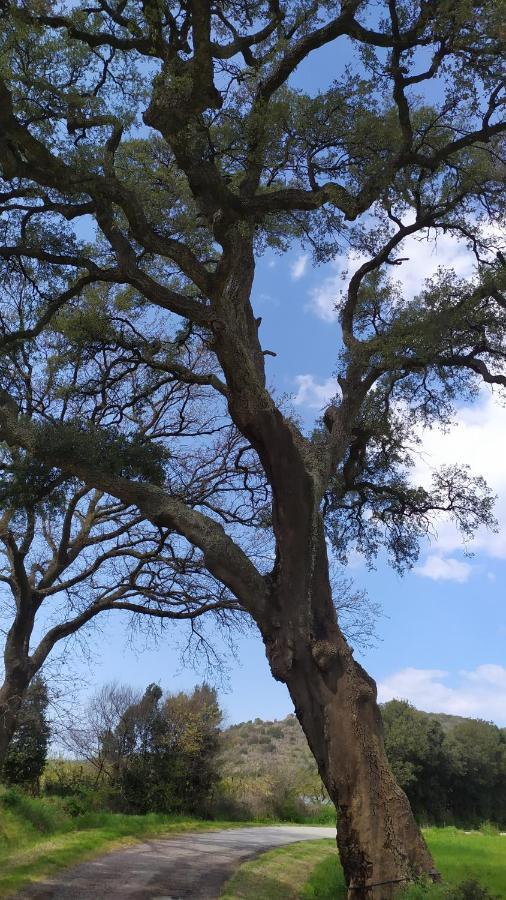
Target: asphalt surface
<point x="184" y="867"/>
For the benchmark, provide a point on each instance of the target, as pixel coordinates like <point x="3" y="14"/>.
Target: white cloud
<point x="480" y="693"/>
<point x="313" y="394"/>
<point x="423" y="256"/>
<point x="477" y="438"/>
<point x="426" y="255"/>
<point x="299" y="266"/>
<point x="324" y="297"/>
<point x="439" y="569"/>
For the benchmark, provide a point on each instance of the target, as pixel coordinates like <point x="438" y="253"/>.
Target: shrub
<point x="27" y="751"/>
<point x="66" y="777"/>
<point x="275" y="732"/>
<point x="470" y="890"/>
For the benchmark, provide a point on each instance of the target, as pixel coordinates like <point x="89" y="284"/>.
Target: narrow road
<point x="184" y="867"/>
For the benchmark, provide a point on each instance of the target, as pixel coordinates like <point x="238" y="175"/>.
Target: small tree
<point x="28" y="748"/>
<point x="191" y="743"/>
<point x="69" y="554"/>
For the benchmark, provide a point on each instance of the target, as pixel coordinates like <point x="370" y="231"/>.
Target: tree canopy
<point x="149" y="153"/>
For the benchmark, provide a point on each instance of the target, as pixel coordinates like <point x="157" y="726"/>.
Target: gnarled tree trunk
<point x="12" y="693"/>
<point x="380" y="845"/>
<point x="18" y="672"/>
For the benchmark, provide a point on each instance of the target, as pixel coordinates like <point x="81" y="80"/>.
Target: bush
<point x="27" y="751"/>
<point x="274" y="731"/>
<point x="65" y="777"/>
<point x="267" y="794"/>
<point x="470" y="890"/>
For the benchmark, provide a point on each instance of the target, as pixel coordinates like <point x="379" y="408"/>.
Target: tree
<point x="458" y="775"/>
<point x="477" y="752"/>
<point x="190" y="744"/>
<point x="68" y="552"/>
<point x="28" y="748"/>
<point x="72" y="553"/>
<point x="415" y="746"/>
<point x="155" y="753"/>
<point x="177" y="131"/>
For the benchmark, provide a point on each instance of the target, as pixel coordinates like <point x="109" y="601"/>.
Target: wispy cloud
<point x="440" y="569"/>
<point x="422" y="258"/>
<point x="314" y="394"/>
<point x="323" y="298"/>
<point x="299" y="266"/>
<point x="479" y="693"/>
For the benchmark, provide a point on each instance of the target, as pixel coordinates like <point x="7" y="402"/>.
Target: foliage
<point x="267" y="770"/>
<point x="452" y="768"/>
<point x="415" y="748"/>
<point x="453" y="776"/>
<point x="477" y="753"/>
<point x="63" y="777"/>
<point x="151" y="753"/>
<point x="27" y="752"/>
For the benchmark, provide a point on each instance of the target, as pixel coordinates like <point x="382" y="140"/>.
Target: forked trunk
<point x="380" y="845"/>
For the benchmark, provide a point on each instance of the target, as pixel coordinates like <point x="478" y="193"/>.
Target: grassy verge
<point x="38" y="838"/>
<point x="277" y="874"/>
<point x="311" y="870"/>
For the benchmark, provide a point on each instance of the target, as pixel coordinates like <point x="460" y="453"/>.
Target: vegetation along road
<point x="189" y="865"/>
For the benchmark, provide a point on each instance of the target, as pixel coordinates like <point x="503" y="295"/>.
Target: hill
<point x="257" y="746"/>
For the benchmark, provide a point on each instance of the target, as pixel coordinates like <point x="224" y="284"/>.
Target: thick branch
<point x="223" y="557"/>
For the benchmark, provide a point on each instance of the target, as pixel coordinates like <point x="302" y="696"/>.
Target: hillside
<point x="258" y="746"/>
<point x="255" y="746"/>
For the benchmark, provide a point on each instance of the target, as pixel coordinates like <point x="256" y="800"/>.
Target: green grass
<point x="460" y="857"/>
<point x="278" y="874"/>
<point x="38" y="837"/>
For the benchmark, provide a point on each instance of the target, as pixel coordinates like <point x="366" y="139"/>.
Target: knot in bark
<point x="325" y="654"/>
<point x="280" y="656"/>
<point x="330" y="417"/>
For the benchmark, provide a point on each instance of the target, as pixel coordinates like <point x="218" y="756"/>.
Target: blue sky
<point x="442" y="637"/>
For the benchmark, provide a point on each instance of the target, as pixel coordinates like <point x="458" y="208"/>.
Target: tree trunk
<point x="11" y="697"/>
<point x="380" y="845"/>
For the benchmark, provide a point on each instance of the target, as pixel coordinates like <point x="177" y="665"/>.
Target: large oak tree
<point x="174" y="130"/>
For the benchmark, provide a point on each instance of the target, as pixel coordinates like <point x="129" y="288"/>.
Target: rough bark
<point x="12" y="693"/>
<point x="380" y="845"/>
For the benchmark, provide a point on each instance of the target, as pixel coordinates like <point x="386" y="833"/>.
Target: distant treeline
<point x="152" y="752"/>
<point x="452" y="773"/>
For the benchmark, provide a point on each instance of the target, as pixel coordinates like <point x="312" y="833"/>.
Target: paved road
<point x="185" y="867"/>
